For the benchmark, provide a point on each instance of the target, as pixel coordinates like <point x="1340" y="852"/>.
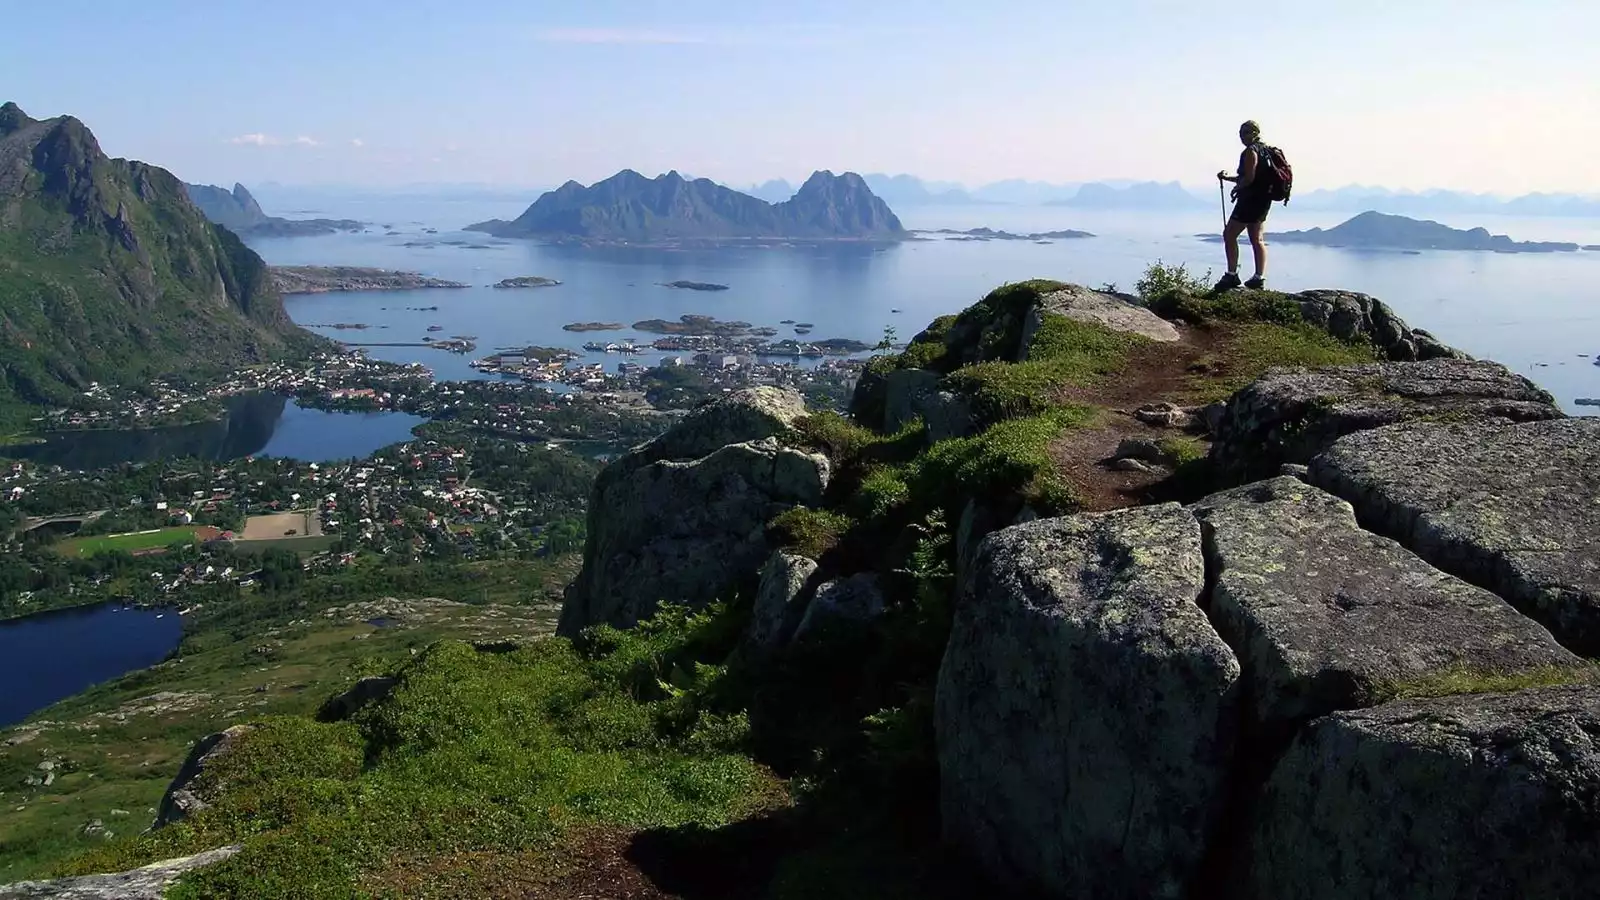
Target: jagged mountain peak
<point x="630" y="207"/>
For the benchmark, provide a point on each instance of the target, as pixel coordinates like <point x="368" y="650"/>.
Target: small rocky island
<point x="694" y="324"/>
<point x="695" y="286"/>
<point x="327" y="279"/>
<point x="1380" y="231"/>
<point x="527" y="281"/>
<point x="593" y="326"/>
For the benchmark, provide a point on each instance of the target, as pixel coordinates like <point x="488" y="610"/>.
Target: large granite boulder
<point x="683" y="518"/>
<point x="146" y="883"/>
<point x="188" y="794"/>
<point x="1488" y="796"/>
<point x="1085" y="305"/>
<point x="1353" y="317"/>
<point x="1513" y="507"/>
<point x="1291" y="415"/>
<point x="1326" y="616"/>
<point x="1085" y="706"/>
<point x="780" y="600"/>
<point x="914" y="394"/>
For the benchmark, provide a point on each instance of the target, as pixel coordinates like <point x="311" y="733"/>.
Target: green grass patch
<point x="474" y="752"/>
<point x="1229" y="306"/>
<point x="809" y="532"/>
<point x="1063" y="352"/>
<point x="119" y="749"/>
<point x="1009" y="459"/>
<point x="1468" y="680"/>
<point x="1244" y="350"/>
<point x="135" y="542"/>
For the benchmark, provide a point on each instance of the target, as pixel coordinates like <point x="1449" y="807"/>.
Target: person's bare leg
<point x="1258" y="247"/>
<point x="1230" y="244"/>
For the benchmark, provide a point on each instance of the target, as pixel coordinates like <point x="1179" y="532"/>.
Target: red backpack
<point x="1275" y="173"/>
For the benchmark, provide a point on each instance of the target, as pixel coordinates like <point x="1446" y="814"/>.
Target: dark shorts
<point x="1251" y="209"/>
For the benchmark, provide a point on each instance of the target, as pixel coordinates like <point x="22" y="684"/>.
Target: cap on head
<point x="1250" y="130"/>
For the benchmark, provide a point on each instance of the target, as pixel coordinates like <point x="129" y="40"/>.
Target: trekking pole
<point x="1222" y="196"/>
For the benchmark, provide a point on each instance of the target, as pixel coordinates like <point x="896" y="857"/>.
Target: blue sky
<point x="1470" y="94"/>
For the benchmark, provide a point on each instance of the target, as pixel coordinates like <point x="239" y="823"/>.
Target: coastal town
<point x="532" y="377"/>
<point x="150" y="533"/>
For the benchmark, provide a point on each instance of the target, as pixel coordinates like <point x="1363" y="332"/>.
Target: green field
<point x="129" y="543"/>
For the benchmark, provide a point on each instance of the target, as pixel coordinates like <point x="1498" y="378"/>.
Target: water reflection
<point x="255" y="425"/>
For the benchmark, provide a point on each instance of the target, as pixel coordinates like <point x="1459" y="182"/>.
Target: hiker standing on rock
<point x="1253" y="194"/>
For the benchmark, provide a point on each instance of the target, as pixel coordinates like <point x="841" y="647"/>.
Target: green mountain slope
<point x="109" y="273"/>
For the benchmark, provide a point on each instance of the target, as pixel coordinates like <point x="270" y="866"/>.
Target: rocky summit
<point x="1172" y="596"/>
<point x="1244" y="683"/>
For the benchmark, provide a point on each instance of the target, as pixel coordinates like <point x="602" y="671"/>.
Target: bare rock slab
<point x="1326" y="616"/>
<point x="1085" y="305"/>
<point x="1513" y="507"/>
<point x="1291" y="415"/>
<point x="147" y="883"/>
<point x="1487" y="796"/>
<point x="1085" y="707"/>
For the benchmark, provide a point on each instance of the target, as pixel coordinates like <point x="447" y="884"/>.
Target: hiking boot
<point x="1256" y="284"/>
<point x="1228" y="283"/>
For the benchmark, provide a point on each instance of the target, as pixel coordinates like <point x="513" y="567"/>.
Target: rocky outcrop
<point x="147" y="883"/>
<point x="1085" y="706"/>
<point x="914" y="395"/>
<point x="780" y="600"/>
<point x="187" y="794"/>
<point x="1353" y="317"/>
<point x="1084" y="305"/>
<point x="1510" y="506"/>
<point x="683" y="518"/>
<point x="1326" y="616"/>
<point x="1291" y="415"/>
<point x="1489" y="796"/>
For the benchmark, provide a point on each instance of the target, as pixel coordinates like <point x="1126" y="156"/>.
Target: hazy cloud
<point x="357" y="142"/>
<point x="618" y="36"/>
<point x="258" y="139"/>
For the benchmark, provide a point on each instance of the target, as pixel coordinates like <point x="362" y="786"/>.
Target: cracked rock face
<point x="1326" y="616"/>
<point x="1515" y="507"/>
<point x="1493" y="796"/>
<point x="1085" y="706"/>
<point x="1291" y="415"/>
<point x="147" y="883"/>
<point x="683" y="518"/>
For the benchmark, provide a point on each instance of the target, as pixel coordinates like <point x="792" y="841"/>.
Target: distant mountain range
<point x="909" y="190"/>
<point x="109" y="273"/>
<point x="1380" y="231"/>
<point x="628" y="207"/>
<point x="239" y="212"/>
<point x="1444" y="202"/>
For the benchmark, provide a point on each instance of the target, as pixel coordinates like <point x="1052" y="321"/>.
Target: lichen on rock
<point x="1085" y="706"/>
